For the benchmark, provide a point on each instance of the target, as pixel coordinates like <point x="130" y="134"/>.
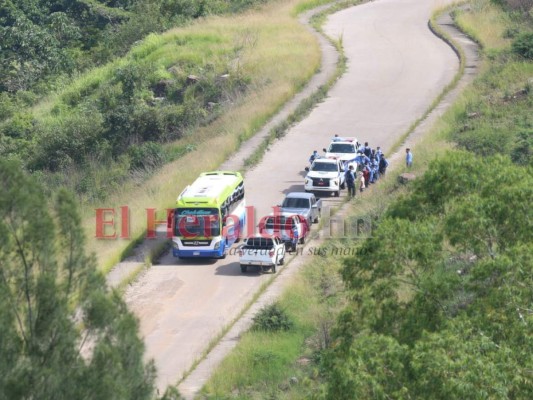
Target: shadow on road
<point x="294" y="188"/>
<point x="234" y="269"/>
<point x="169" y="259"/>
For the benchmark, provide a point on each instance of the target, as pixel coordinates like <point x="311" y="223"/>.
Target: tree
<point x="440" y="296"/>
<point x="62" y="334"/>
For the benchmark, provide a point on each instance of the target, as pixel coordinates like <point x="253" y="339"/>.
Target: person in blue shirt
<point x="383" y="164"/>
<point x="350" y="181"/>
<point x="408" y="158"/>
<point x="367" y="150"/>
<point x="337" y="138"/>
<point x="379" y="154"/>
<point x="374" y="170"/>
<point x="295" y="236"/>
<point x="361" y="159"/>
<point x="313" y="157"/>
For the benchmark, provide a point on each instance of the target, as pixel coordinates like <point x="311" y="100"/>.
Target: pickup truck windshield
<point x="291" y="202"/>
<point x="324" y="167"/>
<point x="197" y="222"/>
<point x="341" y="148"/>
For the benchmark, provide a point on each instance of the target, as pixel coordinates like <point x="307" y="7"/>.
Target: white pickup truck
<point x="344" y="149"/>
<point x="325" y="175"/>
<point x="265" y="252"/>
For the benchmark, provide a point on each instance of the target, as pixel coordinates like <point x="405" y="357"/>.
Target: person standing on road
<point x="374" y="170"/>
<point x="350" y="181"/>
<point x="408" y="158"/>
<point x="361" y="182"/>
<point x="366" y="176"/>
<point x="295" y="236"/>
<point x="379" y="154"/>
<point x="383" y="164"/>
<point x="367" y="150"/>
<point x="313" y="157"/>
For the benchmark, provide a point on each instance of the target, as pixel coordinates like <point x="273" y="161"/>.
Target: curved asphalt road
<point x="396" y="69"/>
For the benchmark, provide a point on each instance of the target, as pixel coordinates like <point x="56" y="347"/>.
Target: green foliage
<point x="272" y="318"/>
<point x="523" y="45"/>
<point x="60" y="326"/>
<point x="42" y="40"/>
<point x="522" y="152"/>
<point x="147" y="156"/>
<point x="440" y="293"/>
<point x="145" y="97"/>
<point x="374" y="368"/>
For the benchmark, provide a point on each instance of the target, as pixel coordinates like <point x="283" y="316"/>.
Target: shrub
<point x="7" y="108"/>
<point x="67" y="142"/>
<point x="523" y="45"/>
<point x="272" y="318"/>
<point x="20" y="127"/>
<point x="146" y="156"/>
<point x="520" y="5"/>
<point x="485" y="140"/>
<point x="521" y="153"/>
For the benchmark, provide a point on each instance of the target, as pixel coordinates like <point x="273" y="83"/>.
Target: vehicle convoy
<point x="210" y="215"/>
<point x="344" y="149"/>
<point x="290" y="228"/>
<point x="265" y="252"/>
<point x="304" y="204"/>
<point x="325" y="175"/>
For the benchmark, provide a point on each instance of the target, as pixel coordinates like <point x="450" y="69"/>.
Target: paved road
<point x="396" y="69"/>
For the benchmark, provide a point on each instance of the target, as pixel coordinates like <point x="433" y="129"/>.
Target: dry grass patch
<point x="483" y="21"/>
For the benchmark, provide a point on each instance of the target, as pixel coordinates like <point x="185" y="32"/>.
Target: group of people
<point x="371" y="163"/>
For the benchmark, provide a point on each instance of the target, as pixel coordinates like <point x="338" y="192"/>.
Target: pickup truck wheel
<point x="244" y="268"/>
<point x="337" y="193"/>
<point x="273" y="269"/>
<point x="281" y="261"/>
<point x="343" y="186"/>
<point x="315" y="221"/>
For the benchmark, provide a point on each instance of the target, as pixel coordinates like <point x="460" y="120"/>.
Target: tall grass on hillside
<point x="497" y="112"/>
<point x="46" y="42"/>
<point x="484" y="21"/>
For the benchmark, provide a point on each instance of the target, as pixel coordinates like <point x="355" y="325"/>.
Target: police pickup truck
<point x="265" y="252"/>
<point x="344" y="149"/>
<point x="325" y="175"/>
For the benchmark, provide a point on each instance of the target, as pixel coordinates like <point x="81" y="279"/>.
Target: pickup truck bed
<point x="262" y="252"/>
